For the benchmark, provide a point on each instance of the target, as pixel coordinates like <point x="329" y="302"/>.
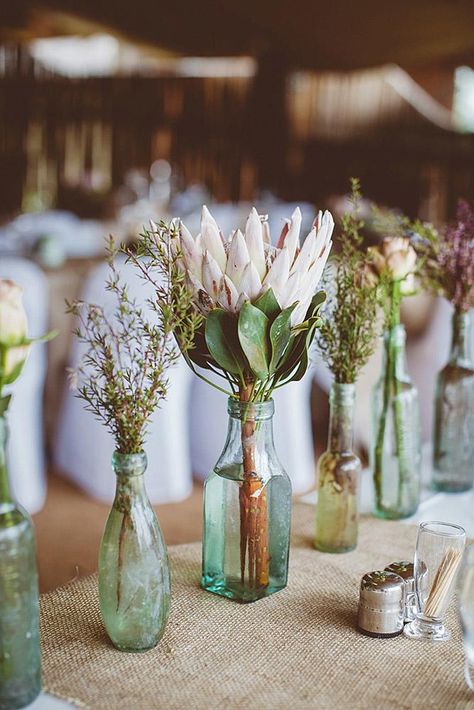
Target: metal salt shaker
<point x="381" y="604"/>
<point x="406" y="571"/>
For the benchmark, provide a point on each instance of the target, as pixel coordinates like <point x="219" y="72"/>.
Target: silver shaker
<point x="406" y="571"/>
<point x="381" y="604"/>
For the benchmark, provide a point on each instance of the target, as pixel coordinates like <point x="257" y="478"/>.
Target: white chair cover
<point x="25" y="450"/>
<point x="83" y="446"/>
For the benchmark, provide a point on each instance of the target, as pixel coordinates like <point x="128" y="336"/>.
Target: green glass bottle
<point x="453" y="459"/>
<point x="247" y="510"/>
<point x="20" y="656"/>
<point x="338" y="474"/>
<point x="134" y="575"/>
<point x="396" y="434"/>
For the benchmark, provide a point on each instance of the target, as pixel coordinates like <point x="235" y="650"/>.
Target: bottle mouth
<point x="256" y="411"/>
<point x="129" y="464"/>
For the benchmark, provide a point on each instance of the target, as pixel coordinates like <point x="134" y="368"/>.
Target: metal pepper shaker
<point x="381" y="604"/>
<point x="406" y="571"/>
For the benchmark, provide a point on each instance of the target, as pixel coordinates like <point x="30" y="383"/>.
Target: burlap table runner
<point x="296" y="649"/>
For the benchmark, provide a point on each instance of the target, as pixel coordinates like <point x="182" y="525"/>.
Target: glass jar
<point x="134" y="576"/>
<point x="453" y="450"/>
<point x="247" y="510"/>
<point x="396" y="434"/>
<point x="20" y="657"/>
<point x="338" y="475"/>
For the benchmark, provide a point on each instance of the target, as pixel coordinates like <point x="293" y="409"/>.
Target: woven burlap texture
<point x="297" y="649"/>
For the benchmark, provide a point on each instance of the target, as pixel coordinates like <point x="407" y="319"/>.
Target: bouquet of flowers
<point x="258" y="305"/>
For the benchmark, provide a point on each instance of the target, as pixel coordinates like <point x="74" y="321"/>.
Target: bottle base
<point x="333" y="550"/>
<point x="426" y="630"/>
<point x="127" y="649"/>
<point x="451" y="487"/>
<point x="385" y="514"/>
<point x="13" y="700"/>
<point x="235" y="590"/>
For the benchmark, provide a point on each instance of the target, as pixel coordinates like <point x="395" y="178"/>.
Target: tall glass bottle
<point x="20" y="658"/>
<point x="338" y="474"/>
<point x="134" y="576"/>
<point x="396" y="434"/>
<point x="453" y="450"/>
<point x="247" y="510"/>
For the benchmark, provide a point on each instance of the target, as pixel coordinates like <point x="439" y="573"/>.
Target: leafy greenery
<point x="122" y="376"/>
<point x="350" y="326"/>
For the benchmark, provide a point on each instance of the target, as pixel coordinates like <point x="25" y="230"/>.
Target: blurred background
<point x="115" y="113"/>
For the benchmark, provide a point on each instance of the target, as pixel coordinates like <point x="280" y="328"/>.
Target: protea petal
<point x="254" y="241"/>
<point x="237" y="258"/>
<point x="251" y="283"/>
<point x="307" y="254"/>
<point x="211" y="238"/>
<point x="315" y="273"/>
<point x="243" y="298"/>
<point x="292" y="238"/>
<point x="266" y="232"/>
<point x="300" y="311"/>
<point x="278" y="273"/>
<point x="211" y="276"/>
<point x="192" y="256"/>
<point x="289" y="293"/>
<point x="228" y="295"/>
<point x="283" y="233"/>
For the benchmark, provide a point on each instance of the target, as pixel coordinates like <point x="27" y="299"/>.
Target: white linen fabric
<point x="25" y="448"/>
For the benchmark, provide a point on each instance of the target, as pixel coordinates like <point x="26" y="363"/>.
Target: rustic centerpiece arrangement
<point x="396" y="429"/>
<point x="20" y="656"/>
<point x="122" y="379"/>
<point x="258" y="311"/>
<point x="449" y="271"/>
<point x="346" y="340"/>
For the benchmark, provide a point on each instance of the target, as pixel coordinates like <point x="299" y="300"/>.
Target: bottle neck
<point x="461" y="338"/>
<point x="341" y="419"/>
<point x="130" y="469"/>
<point x="5" y="496"/>
<point x="394" y="353"/>
<point x="250" y="437"/>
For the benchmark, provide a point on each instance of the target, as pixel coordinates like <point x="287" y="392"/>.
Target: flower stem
<point x="253" y="506"/>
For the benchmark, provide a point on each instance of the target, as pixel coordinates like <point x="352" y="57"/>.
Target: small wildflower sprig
<point x="448" y="258"/>
<point x="122" y="376"/>
<point x="350" y="326"/>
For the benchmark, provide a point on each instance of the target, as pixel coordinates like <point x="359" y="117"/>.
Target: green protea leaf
<point x="253" y="330"/>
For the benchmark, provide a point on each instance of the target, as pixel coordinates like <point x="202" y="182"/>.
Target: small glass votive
<point x="438" y="554"/>
<point x="406" y="571"/>
<point x="466" y="612"/>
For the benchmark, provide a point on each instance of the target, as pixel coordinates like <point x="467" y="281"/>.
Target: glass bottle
<point x="247" y="510"/>
<point x="134" y="576"/>
<point x="453" y="459"/>
<point x="338" y="474"/>
<point x="20" y="657"/>
<point x="396" y="434"/>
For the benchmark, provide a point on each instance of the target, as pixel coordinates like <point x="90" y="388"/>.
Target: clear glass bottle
<point x="20" y="657"/>
<point x="338" y="475"/>
<point x="453" y="446"/>
<point x="247" y="510"/>
<point x="134" y="576"/>
<point x="396" y="434"/>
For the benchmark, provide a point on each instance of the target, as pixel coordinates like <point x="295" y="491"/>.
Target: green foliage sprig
<point x="351" y="325"/>
<point x="122" y="375"/>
